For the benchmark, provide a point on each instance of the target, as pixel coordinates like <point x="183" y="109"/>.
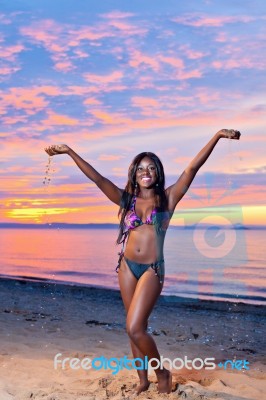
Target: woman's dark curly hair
<point x="130" y="189"/>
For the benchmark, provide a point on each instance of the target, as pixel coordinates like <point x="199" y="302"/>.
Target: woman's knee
<point x="136" y="330"/>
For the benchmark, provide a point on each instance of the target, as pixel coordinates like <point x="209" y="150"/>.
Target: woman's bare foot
<point x="165" y="381"/>
<point x="142" y="387"/>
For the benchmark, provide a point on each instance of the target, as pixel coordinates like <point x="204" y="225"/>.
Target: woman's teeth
<point x="146" y="179"/>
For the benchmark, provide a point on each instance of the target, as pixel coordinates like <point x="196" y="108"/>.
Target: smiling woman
<point x="146" y="208"/>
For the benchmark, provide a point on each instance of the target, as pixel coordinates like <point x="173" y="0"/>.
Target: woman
<point x="146" y="208"/>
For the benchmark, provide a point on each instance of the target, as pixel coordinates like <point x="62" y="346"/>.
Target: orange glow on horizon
<point x="246" y="215"/>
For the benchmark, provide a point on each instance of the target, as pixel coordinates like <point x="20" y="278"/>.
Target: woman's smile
<point x="147" y="180"/>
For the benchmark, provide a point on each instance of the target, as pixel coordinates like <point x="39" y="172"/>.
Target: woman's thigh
<point x="127" y="283"/>
<point x="146" y="293"/>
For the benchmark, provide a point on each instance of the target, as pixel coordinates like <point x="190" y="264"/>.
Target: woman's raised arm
<point x="107" y="187"/>
<point x="178" y="189"/>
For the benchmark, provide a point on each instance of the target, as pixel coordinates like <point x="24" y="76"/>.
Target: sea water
<point x="89" y="257"/>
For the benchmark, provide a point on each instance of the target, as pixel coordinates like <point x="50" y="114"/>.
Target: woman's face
<point x="146" y="175"/>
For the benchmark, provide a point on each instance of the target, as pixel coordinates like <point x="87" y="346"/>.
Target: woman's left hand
<point x="229" y="134"/>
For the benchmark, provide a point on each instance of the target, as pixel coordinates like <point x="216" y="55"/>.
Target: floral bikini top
<point x="132" y="220"/>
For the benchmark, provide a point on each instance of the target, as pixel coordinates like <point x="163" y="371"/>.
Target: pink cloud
<point x="116" y="14"/>
<point x="173" y="61"/>
<point x="59" y="119"/>
<point x="44" y="31"/>
<point x="53" y="37"/>
<point x="128" y="29"/>
<point x="239" y="62"/>
<point x="118" y="171"/>
<point x="117" y="124"/>
<point x="116" y="51"/>
<point x="61" y="39"/>
<point x="77" y="137"/>
<point x="181" y="160"/>
<point x="206" y="96"/>
<point x="9" y="52"/>
<point x="48" y="90"/>
<point x="87" y="33"/>
<point x="115" y="76"/>
<point x="105" y="83"/>
<point x="32" y="100"/>
<point x="56" y="48"/>
<point x="198" y="20"/>
<point x="138" y="101"/>
<point x="3" y="109"/>
<point x="138" y="59"/>
<point x="8" y="70"/>
<point x="112" y="119"/>
<point x="149" y="106"/>
<point x="183" y="75"/>
<point x="160" y="119"/>
<point x="8" y="55"/>
<point x="81" y="54"/>
<point x="223" y="37"/>
<point x="109" y="157"/>
<point x="116" y="19"/>
<point x="34" y="148"/>
<point x="146" y="82"/>
<point x="77" y="90"/>
<point x="64" y="66"/>
<point x="255" y="138"/>
<point x="19" y="168"/>
<point x="91" y="101"/>
<point x="191" y="53"/>
<point x="244" y="196"/>
<point x="14" y="120"/>
<point x="23" y="99"/>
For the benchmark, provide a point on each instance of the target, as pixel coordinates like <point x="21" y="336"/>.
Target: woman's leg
<point x="146" y="293"/>
<point x="128" y="283"/>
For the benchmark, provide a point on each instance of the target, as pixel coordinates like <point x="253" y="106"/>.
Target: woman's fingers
<point x="235" y="134"/>
<point x="54" y="149"/>
<point x="49" y="150"/>
<point x="231" y="133"/>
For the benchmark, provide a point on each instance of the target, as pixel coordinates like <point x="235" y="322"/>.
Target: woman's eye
<point x="149" y="168"/>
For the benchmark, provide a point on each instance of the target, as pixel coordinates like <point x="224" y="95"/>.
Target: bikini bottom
<point x="138" y="269"/>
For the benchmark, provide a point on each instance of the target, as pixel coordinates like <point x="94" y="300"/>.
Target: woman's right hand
<point x="57" y="149"/>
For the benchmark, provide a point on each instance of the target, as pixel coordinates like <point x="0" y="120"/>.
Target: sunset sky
<point x="114" y="78"/>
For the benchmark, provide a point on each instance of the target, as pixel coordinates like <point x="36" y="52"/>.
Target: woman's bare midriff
<point x="143" y="245"/>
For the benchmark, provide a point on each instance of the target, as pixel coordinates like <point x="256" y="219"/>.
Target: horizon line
<point x="114" y="225"/>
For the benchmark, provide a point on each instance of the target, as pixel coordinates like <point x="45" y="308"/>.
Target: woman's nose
<point x="145" y="171"/>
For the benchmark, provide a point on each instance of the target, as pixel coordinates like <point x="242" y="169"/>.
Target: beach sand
<point x="39" y="320"/>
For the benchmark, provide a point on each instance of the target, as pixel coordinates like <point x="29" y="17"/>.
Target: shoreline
<point x="39" y="320"/>
<point x="169" y="299"/>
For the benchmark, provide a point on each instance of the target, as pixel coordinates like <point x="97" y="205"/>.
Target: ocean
<point x="200" y="263"/>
